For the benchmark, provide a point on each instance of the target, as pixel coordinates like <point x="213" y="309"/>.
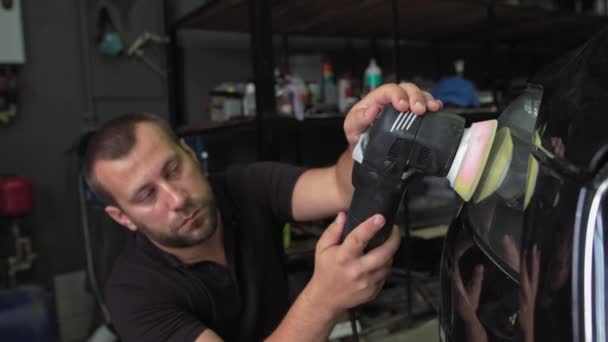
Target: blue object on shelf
<point x="456" y="91"/>
<point x="26" y="315"/>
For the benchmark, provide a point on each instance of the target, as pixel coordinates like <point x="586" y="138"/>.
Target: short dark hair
<point x="114" y="140"/>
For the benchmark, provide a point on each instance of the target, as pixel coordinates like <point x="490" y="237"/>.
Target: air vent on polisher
<point x="395" y="151"/>
<point x="424" y="158"/>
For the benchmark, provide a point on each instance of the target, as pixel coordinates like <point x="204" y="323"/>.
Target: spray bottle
<point x="373" y="76"/>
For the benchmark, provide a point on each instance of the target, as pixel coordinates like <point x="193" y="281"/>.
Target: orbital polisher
<point x="400" y="145"/>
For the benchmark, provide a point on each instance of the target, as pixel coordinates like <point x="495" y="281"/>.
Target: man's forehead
<point x="149" y="132"/>
<point x="152" y="147"/>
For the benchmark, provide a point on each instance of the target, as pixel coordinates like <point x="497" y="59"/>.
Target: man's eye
<point x="174" y="170"/>
<point x="146" y="195"/>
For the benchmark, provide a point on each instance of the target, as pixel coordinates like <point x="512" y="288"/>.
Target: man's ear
<point x="188" y="149"/>
<point x="119" y="216"/>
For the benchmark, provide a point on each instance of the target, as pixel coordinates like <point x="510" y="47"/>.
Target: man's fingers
<point x="403" y="97"/>
<point x="365" y="112"/>
<point x="331" y="236"/>
<point x="457" y="277"/>
<point x="382" y="254"/>
<point x="461" y="248"/>
<point x="380" y="274"/>
<point x="431" y="103"/>
<point x="416" y="97"/>
<point x="396" y="95"/>
<point x="357" y="122"/>
<point x="475" y="287"/>
<point x="523" y="274"/>
<point x="535" y="266"/>
<point x="358" y="238"/>
<point x="511" y="252"/>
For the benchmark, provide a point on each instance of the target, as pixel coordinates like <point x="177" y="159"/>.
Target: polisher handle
<point x="368" y="201"/>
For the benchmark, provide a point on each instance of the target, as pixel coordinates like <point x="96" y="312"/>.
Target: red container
<point x="16" y="196"/>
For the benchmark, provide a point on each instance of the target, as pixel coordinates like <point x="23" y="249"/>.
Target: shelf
<point x="214" y="126"/>
<point x="471" y="114"/>
<point x="250" y="122"/>
<point x="435" y="20"/>
<point x="472" y="111"/>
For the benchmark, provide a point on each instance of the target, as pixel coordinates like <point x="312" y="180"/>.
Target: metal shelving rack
<point x="487" y="21"/>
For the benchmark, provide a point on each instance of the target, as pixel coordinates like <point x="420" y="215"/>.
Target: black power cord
<point x="352" y="314"/>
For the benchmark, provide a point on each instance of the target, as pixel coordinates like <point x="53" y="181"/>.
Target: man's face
<point x="159" y="190"/>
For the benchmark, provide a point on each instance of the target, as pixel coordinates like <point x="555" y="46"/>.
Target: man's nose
<point x="176" y="196"/>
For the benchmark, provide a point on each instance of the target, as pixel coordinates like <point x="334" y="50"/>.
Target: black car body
<point x="526" y="259"/>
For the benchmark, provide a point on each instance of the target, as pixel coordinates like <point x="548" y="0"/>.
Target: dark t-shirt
<point x="152" y="296"/>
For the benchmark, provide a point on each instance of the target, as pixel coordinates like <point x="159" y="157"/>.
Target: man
<point x="205" y="263"/>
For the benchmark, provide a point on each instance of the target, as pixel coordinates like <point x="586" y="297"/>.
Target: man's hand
<point x="405" y="96"/>
<point x="466" y="298"/>
<point x="344" y="276"/>
<point x="527" y="292"/>
<point x="511" y="252"/>
<point x="335" y="182"/>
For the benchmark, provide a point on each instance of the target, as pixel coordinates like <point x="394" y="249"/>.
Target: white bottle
<point x="344" y="92"/>
<point x="249" y="100"/>
<point x="330" y="92"/>
<point x="373" y="75"/>
<point x="459" y="67"/>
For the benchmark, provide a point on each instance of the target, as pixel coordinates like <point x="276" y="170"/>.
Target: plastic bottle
<point x="249" y="100"/>
<point x="459" y="67"/>
<point x="315" y="93"/>
<point x="299" y="95"/>
<point x="285" y="100"/>
<point x="330" y="92"/>
<point x="344" y="92"/>
<point x="373" y="76"/>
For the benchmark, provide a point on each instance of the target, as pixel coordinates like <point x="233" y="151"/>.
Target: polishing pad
<point x="497" y="165"/>
<point x="471" y="157"/>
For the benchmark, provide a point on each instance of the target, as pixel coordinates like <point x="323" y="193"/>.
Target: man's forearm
<point x="343" y="169"/>
<point x="335" y="185"/>
<point x="306" y="321"/>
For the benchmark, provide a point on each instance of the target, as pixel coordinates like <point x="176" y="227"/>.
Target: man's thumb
<point x="332" y="235"/>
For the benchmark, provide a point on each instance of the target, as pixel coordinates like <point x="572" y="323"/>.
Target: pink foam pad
<point x="476" y="156"/>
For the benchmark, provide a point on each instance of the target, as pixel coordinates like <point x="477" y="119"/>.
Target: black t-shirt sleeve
<point x="140" y="315"/>
<point x="269" y="184"/>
